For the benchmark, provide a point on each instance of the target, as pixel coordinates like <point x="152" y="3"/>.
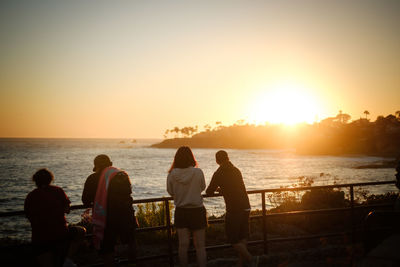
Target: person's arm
<point x="89" y="192"/>
<point x="67" y="202"/>
<point x="213" y="186"/>
<point x="26" y="207"/>
<point x="203" y="181"/>
<point x="126" y="187"/>
<point x="170" y="188"/>
<point x="67" y="208"/>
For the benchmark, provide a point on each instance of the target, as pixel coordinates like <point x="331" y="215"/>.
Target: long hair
<point x="183" y="158"/>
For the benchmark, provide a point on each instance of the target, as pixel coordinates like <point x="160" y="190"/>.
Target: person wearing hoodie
<point x="185" y="182"/>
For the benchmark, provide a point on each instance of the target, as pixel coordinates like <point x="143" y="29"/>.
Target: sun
<point x="284" y="104"/>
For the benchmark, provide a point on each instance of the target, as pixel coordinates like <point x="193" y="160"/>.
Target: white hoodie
<point x="185" y="186"/>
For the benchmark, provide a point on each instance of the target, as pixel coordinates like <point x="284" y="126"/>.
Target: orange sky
<point x="134" y="69"/>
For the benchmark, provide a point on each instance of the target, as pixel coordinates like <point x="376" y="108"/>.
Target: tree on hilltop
<point x="343" y="117"/>
<point x="366" y="112"/>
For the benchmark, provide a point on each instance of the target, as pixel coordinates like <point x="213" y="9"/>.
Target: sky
<point x="132" y="69"/>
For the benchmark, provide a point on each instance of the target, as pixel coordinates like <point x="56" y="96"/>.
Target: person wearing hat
<point x="108" y="192"/>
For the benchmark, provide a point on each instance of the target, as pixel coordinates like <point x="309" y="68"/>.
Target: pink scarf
<point x="100" y="205"/>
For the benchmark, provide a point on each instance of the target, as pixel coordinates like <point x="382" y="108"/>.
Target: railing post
<point x="353" y="227"/>
<point x="264" y="224"/>
<point x="169" y="234"/>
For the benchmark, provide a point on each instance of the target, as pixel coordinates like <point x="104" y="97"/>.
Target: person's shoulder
<point x="93" y="178"/>
<point x="232" y="167"/>
<point x="198" y="171"/>
<point x="235" y="168"/>
<point x="121" y="178"/>
<point x="95" y="175"/>
<point x="57" y="189"/>
<point x="122" y="175"/>
<point x="218" y="171"/>
<point x="31" y="194"/>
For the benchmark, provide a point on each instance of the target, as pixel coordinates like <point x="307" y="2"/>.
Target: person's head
<point x="183" y="158"/>
<point x="43" y="177"/>
<point x="101" y="162"/>
<point x="221" y="157"/>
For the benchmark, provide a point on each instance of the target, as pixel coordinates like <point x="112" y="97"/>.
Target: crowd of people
<point x="107" y="194"/>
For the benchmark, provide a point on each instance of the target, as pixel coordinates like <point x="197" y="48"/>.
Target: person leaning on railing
<point x="397" y="205"/>
<point x="388" y="220"/>
<point x="52" y="238"/>
<point x="228" y="181"/>
<point x="109" y="190"/>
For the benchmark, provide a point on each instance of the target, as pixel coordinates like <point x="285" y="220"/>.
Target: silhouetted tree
<point x="398" y="114"/>
<point x="176" y="130"/>
<point x="366" y="112"/>
<point x="166" y="133"/>
<point x="343" y="117"/>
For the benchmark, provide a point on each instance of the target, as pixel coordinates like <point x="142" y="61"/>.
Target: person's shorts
<point x="237" y="226"/>
<point x="191" y="218"/>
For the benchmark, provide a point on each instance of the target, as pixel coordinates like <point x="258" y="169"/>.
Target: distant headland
<point x="332" y="136"/>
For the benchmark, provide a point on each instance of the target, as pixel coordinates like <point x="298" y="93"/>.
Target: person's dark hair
<point x="183" y="158"/>
<point x="221" y="156"/>
<point x="43" y="177"/>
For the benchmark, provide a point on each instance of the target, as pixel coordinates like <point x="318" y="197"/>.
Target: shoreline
<point x="215" y="144"/>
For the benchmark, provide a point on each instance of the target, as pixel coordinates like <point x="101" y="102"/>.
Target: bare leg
<point x="244" y="254"/>
<point x="199" y="243"/>
<point x="183" y="237"/>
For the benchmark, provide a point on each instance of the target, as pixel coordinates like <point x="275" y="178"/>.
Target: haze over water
<point x="71" y="161"/>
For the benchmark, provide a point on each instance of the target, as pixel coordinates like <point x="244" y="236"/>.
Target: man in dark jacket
<point x="229" y="182"/>
<point x="120" y="216"/>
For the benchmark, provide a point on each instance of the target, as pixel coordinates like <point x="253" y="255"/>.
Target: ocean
<point x="71" y="161"/>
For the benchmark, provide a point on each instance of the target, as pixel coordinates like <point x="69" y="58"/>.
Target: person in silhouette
<point x="52" y="237"/>
<point x="228" y="181"/>
<point x="185" y="182"/>
<point x="108" y="191"/>
<point x="388" y="221"/>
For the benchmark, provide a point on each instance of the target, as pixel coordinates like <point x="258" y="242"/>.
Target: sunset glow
<point x="70" y="69"/>
<point x="284" y="104"/>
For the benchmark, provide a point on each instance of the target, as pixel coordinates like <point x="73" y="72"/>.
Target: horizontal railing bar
<point x="159" y="199"/>
<point x="318" y="187"/>
<point x="149" y="229"/>
<point x="321" y="211"/>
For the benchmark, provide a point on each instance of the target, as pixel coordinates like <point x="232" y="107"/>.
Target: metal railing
<point x="264" y="216"/>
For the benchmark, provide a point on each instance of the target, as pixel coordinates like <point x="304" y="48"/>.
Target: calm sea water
<point x="71" y="161"/>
